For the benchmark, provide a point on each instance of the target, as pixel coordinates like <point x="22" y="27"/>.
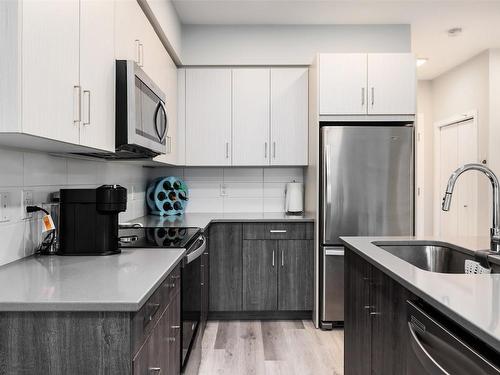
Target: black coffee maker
<point x="88" y="221"/>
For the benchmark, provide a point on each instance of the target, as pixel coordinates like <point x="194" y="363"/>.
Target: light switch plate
<point x="4" y="207"/>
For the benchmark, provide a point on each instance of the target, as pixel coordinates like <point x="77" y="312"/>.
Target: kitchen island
<point x="380" y="284"/>
<point x="91" y="314"/>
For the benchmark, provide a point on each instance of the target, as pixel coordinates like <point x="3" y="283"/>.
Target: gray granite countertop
<point x="473" y="301"/>
<point x="121" y="282"/>
<point x="201" y="220"/>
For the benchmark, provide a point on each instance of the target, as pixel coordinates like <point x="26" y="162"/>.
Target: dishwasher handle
<point x="428" y="362"/>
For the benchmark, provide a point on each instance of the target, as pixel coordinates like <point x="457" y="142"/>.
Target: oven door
<point x="191" y="296"/>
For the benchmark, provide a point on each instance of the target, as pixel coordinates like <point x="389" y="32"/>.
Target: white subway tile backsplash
<point x="244" y="189"/>
<point x="234" y="189"/>
<point x="203" y="174"/>
<point x="43" y="169"/>
<point x="247" y="204"/>
<point x="205" y="205"/>
<point x="44" y="174"/>
<point x="12" y="247"/>
<point x="283" y="174"/>
<point x="11" y="165"/>
<point x="243" y="174"/>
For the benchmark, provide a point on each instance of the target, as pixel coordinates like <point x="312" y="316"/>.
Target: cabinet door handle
<point x="375" y="313"/>
<point x="265" y="150"/>
<point x="86" y="104"/>
<point x="175" y="327"/>
<point x="373" y="96"/>
<point x="362" y="97"/>
<point x="227" y="150"/>
<point x="77" y="104"/>
<point x="282" y="259"/>
<point x="277" y="231"/>
<point x="273" y="258"/>
<point x="137" y="52"/>
<point x="274" y="150"/>
<point x="154" y="370"/>
<point x="153" y="309"/>
<point x="169" y="144"/>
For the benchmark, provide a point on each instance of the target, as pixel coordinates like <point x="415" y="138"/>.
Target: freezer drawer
<point x="333" y="284"/>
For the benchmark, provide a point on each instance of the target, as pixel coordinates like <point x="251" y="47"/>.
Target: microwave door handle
<point x="165" y="131"/>
<point x="158" y="133"/>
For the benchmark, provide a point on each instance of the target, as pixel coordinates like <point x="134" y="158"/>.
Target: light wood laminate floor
<point x="271" y="347"/>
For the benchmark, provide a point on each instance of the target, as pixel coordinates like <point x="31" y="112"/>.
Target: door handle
<point x="277" y="231"/>
<point x="141" y="55"/>
<point x="77" y="104"/>
<point x="86" y="103"/>
<point x="273" y="258"/>
<point x="227" y="150"/>
<point x="154" y="370"/>
<point x="362" y="97"/>
<point x="282" y="259"/>
<point x="373" y="96"/>
<point x="138" y="51"/>
<point x="265" y="150"/>
<point x="274" y="150"/>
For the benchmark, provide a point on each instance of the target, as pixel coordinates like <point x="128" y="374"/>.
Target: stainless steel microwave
<point x="141" y="115"/>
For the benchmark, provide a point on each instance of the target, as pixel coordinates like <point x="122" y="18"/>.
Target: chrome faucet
<point x="495" y="230"/>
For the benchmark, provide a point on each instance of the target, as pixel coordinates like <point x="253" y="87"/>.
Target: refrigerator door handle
<point x="326" y="185"/>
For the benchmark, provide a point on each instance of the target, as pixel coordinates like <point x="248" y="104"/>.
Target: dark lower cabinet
<point x="296" y="275"/>
<point x="375" y="326"/>
<point x="261" y="270"/>
<point x="145" y="342"/>
<point x="260" y="289"/>
<point x="160" y="353"/>
<point x="226" y="282"/>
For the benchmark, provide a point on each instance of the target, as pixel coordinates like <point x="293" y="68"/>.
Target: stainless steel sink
<point x="431" y="257"/>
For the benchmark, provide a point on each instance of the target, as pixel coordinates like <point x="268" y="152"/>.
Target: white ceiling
<point x="430" y="19"/>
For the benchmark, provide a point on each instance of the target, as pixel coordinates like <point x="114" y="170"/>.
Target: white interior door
<point x="97" y="74"/>
<point x="342" y="84"/>
<point x="391" y="84"/>
<point x="251" y="116"/>
<point x="458" y="146"/>
<point x="50" y="66"/>
<point x="208" y="116"/>
<point x="289" y="116"/>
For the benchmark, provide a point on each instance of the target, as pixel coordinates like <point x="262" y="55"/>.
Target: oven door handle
<point x="196" y="253"/>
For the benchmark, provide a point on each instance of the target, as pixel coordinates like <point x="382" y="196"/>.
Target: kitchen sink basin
<point x="431" y="257"/>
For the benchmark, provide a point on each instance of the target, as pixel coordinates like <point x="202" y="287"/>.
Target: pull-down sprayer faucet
<point x="495" y="230"/>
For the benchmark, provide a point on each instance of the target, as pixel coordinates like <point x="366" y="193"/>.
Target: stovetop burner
<point x="157" y="237"/>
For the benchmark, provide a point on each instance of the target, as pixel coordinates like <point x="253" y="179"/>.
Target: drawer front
<point x="145" y="319"/>
<point x="278" y="231"/>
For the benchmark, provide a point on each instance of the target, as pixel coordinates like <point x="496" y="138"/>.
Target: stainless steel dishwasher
<point x="437" y="350"/>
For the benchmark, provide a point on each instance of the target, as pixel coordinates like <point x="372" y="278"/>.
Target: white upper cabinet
<point x="208" y="117"/>
<point x="50" y="69"/>
<point x="129" y="30"/>
<point x="246" y="116"/>
<point x="342" y="87"/>
<point x="367" y="84"/>
<point x="289" y="116"/>
<point x="251" y="116"/>
<point x="391" y="84"/>
<point x="97" y="74"/>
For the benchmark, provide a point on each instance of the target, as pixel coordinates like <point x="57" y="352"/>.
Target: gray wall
<point x="286" y="45"/>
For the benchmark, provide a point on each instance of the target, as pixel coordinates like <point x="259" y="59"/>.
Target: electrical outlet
<point x="4" y="207"/>
<point x="27" y="201"/>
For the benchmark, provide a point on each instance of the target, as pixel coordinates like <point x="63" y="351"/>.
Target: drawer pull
<point x="153" y="308"/>
<point x="277" y="231"/>
<point x="175" y="327"/>
<point x="154" y="370"/>
<point x="171" y="339"/>
<point x="172" y="285"/>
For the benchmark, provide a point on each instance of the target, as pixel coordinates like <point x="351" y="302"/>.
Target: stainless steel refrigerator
<point x="366" y="190"/>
